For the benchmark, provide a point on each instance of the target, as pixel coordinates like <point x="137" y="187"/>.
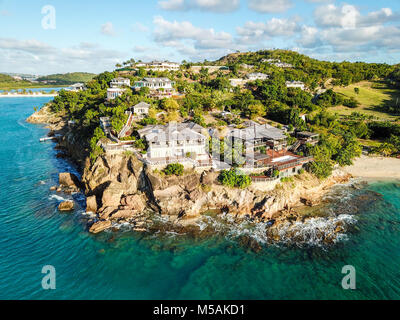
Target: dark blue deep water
<point x="129" y="266"/>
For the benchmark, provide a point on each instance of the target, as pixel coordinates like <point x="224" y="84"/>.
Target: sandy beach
<point x="375" y="168"/>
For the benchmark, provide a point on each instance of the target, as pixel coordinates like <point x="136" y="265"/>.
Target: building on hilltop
<point x="159" y="87"/>
<point x="159" y="65"/>
<point x="257" y="76"/>
<point x="113" y="93"/>
<point x="141" y="109"/>
<point x="76" y="87"/>
<point x="120" y="82"/>
<point x="295" y="84"/>
<point x="176" y="143"/>
<point x="264" y="146"/>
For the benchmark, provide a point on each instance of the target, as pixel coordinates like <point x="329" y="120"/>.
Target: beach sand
<point x="375" y="168"/>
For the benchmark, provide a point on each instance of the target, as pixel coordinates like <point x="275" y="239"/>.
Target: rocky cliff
<point x="122" y="188"/>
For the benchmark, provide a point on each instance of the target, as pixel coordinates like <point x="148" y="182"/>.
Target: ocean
<point x="124" y="265"/>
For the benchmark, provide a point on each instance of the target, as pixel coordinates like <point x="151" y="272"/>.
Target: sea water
<point x="128" y="265"/>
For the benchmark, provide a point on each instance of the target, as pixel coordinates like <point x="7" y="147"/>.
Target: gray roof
<point x="172" y="131"/>
<point x="156" y="80"/>
<point x="254" y="130"/>
<point x="142" y="105"/>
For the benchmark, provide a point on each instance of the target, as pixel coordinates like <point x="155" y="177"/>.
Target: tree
<point x="255" y="110"/>
<point x="174" y="169"/>
<point x="170" y="105"/>
<point x="234" y="179"/>
<point x="357" y="90"/>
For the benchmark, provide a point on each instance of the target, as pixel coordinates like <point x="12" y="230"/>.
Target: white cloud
<point x="253" y="32"/>
<point x="204" y="5"/>
<point x="108" y="29"/>
<point x="37" y="57"/>
<point x="269" y="6"/>
<point x="345" y="29"/>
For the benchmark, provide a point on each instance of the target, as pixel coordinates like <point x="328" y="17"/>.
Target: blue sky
<point x="93" y="36"/>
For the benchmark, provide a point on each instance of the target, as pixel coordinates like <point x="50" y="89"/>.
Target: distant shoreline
<point x="375" y="168"/>
<point x="28" y="95"/>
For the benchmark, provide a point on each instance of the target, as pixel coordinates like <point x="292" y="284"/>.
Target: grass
<point x="372" y="97"/>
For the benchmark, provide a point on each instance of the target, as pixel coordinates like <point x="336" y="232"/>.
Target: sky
<point x="45" y="37"/>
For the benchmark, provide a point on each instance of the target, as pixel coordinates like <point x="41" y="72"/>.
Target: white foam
<point x="56" y="197"/>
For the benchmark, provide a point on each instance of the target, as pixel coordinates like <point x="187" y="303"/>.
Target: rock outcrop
<point x="100" y="226"/>
<point x="124" y="190"/>
<point x="66" y="206"/>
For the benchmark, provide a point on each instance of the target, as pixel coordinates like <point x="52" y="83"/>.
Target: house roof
<point x="142" y="105"/>
<point x="156" y="80"/>
<point x="254" y="130"/>
<point x="257" y="74"/>
<point x="307" y="134"/>
<point x="172" y="131"/>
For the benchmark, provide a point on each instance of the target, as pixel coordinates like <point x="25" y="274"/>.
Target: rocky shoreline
<point x="120" y="190"/>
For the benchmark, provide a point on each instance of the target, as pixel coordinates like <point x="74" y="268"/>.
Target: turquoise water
<point x="36" y="89"/>
<point x="129" y="266"/>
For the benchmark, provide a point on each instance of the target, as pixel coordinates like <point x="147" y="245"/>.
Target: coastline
<point x="374" y="168"/>
<point x="28" y="95"/>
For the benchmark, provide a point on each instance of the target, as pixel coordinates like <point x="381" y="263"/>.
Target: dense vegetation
<point x="174" y="169"/>
<point x="68" y="78"/>
<point x="234" y="179"/>
<point x="7" y="83"/>
<point x="206" y="94"/>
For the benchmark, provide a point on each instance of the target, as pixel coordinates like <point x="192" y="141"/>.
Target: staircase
<point x="296" y="146"/>
<point x="127" y="126"/>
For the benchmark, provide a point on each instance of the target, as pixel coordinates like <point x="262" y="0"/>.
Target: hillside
<point x="68" y="78"/>
<point x="374" y="98"/>
<point x="8" y="82"/>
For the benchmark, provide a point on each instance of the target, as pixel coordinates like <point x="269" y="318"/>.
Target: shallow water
<point x="134" y="266"/>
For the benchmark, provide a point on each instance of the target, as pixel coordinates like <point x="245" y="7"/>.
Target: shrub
<point x="351" y="103"/>
<point x="174" y="169"/>
<point x="233" y="179"/>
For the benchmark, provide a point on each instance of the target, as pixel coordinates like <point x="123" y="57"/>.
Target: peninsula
<point x="252" y="136"/>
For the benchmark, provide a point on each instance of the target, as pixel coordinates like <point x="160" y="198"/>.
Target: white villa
<point x="277" y="63"/>
<point x="295" y="84"/>
<point x="159" y="65"/>
<point x="120" y="82"/>
<point x="257" y="76"/>
<point x="237" y="82"/>
<point x="113" y="93"/>
<point x="141" y="109"/>
<point x="176" y="143"/>
<point x="160" y="85"/>
<point x="76" y="87"/>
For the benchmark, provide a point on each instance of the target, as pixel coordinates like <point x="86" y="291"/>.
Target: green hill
<point x="8" y="82"/>
<point x="68" y="78"/>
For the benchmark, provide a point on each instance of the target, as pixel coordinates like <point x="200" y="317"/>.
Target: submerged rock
<point x="100" y="226"/>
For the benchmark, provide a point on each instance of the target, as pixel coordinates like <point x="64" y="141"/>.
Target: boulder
<point x="191" y="182"/>
<point x="209" y="177"/>
<point x="69" y="180"/>
<point x="124" y="214"/>
<point x="100" y="226"/>
<point x="112" y="195"/>
<point x="91" y="204"/>
<point x="135" y="202"/>
<point x="106" y="212"/>
<point x="66" y="206"/>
